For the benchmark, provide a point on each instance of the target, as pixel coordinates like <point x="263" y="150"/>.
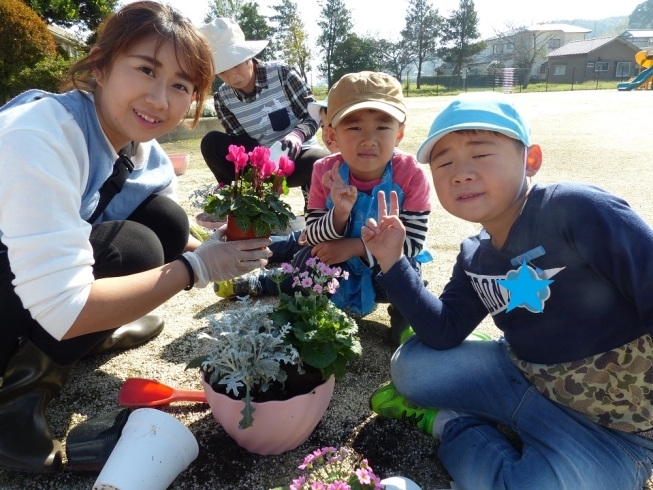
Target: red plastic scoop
<point x="139" y="392"/>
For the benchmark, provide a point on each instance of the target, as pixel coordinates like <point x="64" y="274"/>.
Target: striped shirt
<point x="296" y="90"/>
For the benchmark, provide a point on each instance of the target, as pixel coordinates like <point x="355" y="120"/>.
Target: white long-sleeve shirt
<point x="44" y="169"/>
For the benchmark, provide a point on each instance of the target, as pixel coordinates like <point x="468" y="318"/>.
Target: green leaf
<point x="248" y="413"/>
<point x="196" y="363"/>
<point x="318" y="355"/>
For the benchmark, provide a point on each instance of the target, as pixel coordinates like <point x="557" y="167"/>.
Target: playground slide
<point x="645" y="60"/>
<point x="639" y="80"/>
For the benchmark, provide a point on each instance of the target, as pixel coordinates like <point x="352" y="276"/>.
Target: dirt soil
<point x="597" y="137"/>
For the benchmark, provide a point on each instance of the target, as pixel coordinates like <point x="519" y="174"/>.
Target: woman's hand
<point x="385" y="239"/>
<point x="215" y="260"/>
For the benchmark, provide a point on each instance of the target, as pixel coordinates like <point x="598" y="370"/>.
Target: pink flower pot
<point x="179" y="162"/>
<point x="279" y="426"/>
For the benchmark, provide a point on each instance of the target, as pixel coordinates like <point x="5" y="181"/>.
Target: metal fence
<point x="508" y="80"/>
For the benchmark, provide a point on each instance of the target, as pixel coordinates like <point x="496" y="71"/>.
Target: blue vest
<point x="154" y="176"/>
<point x="357" y="292"/>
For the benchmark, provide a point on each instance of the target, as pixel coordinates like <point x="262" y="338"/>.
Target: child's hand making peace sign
<point x="343" y="196"/>
<point x="385" y="239"/>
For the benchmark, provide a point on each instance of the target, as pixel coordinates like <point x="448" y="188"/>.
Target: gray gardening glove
<point x="216" y="260"/>
<point x="293" y="143"/>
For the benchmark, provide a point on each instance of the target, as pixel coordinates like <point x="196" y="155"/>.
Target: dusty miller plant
<point x="247" y="350"/>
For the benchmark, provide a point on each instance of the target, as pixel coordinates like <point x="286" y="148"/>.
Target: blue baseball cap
<point x="487" y="111"/>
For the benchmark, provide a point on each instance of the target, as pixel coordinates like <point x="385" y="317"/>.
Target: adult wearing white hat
<point x="259" y="104"/>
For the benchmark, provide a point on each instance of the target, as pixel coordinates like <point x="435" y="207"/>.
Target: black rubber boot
<point x="31" y="380"/>
<point x="130" y="335"/>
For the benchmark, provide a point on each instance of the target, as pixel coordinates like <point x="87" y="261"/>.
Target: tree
<point x="421" y="34"/>
<point x="642" y="16"/>
<point x="459" y="33"/>
<point x="353" y="55"/>
<point x="254" y="25"/>
<point x="336" y="26"/>
<point x="224" y="8"/>
<point x="86" y="13"/>
<point x="395" y="57"/>
<point x="290" y="39"/>
<point x="527" y="47"/>
<point x="24" y="41"/>
<point x="45" y="75"/>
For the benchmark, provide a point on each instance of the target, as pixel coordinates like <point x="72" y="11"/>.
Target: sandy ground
<point x="594" y="137"/>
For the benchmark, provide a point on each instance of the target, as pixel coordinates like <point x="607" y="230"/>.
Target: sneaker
<point x="478" y="336"/>
<point x="400" y="330"/>
<point x="387" y="402"/>
<point x="247" y="285"/>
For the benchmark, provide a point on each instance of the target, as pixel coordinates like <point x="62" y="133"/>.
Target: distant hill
<point x="610" y="26"/>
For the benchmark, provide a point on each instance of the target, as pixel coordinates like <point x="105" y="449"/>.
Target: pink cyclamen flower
<point x="317" y="288"/>
<point x="238" y="156"/>
<point x="312" y="261"/>
<point x="259" y="156"/>
<point x="287" y="268"/>
<point x="286" y="166"/>
<point x="318" y="485"/>
<point x="266" y="169"/>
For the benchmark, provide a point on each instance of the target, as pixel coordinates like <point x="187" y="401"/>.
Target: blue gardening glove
<point x="293" y="143"/>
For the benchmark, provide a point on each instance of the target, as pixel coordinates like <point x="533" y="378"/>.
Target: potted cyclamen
<point x="270" y="372"/>
<point x="252" y="203"/>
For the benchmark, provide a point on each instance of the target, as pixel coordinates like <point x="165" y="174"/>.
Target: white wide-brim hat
<point x="228" y="44"/>
<point x="315" y="107"/>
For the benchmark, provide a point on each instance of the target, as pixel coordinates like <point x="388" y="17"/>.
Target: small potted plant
<point x="270" y="372"/>
<point x="335" y="469"/>
<point x="325" y="336"/>
<point x="252" y="203"/>
<point x="342" y="469"/>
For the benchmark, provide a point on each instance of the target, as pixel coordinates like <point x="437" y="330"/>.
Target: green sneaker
<point x="478" y="336"/>
<point x="247" y="285"/>
<point x="409" y="332"/>
<point x="406" y="334"/>
<point x="387" y="402"/>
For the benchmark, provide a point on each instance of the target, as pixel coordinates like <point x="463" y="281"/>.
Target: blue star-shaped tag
<point x="527" y="290"/>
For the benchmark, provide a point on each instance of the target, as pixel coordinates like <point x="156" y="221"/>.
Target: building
<point x="68" y="42"/>
<point x="642" y="38"/>
<point x="603" y="58"/>
<point x="539" y="39"/>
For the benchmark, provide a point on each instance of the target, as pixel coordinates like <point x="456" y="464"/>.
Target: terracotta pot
<point x="235" y="232"/>
<point x="179" y="162"/>
<point x="279" y="426"/>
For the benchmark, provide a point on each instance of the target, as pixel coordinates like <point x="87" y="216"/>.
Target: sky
<point x="385" y="18"/>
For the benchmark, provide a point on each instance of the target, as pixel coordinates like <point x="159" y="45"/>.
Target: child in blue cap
<point x="565" y="271"/>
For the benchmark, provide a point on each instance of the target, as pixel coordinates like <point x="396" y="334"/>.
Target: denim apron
<point x="357" y="293"/>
